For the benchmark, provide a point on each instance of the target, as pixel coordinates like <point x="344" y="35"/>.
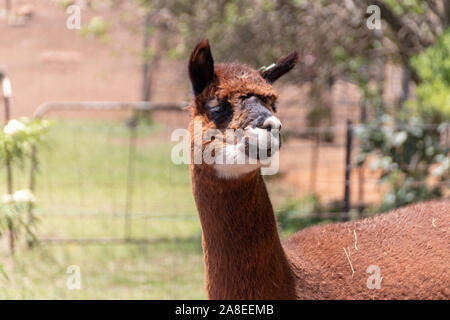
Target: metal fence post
<point x="31" y="241"/>
<point x="361" y="175"/>
<point x="7" y="94"/>
<point x="348" y="169"/>
<point x="130" y="178"/>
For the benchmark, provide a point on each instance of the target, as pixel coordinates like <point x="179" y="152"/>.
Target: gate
<point x="121" y="211"/>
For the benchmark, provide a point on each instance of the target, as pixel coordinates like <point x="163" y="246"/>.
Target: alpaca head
<point x="234" y="112"/>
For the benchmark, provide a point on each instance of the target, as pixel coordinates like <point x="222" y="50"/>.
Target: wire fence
<point x="107" y="181"/>
<point x="109" y="168"/>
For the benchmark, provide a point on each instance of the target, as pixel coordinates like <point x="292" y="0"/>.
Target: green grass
<point x="81" y="192"/>
<point x="160" y="271"/>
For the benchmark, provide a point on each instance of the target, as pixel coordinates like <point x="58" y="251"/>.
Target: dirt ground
<point x="48" y="62"/>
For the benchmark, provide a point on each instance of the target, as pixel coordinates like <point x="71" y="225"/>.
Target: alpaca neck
<point x="243" y="255"/>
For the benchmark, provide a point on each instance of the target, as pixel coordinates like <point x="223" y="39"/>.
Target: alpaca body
<point x="404" y="254"/>
<point x="410" y="246"/>
<point x="245" y="259"/>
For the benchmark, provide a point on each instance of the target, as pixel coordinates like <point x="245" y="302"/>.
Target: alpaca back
<point x="405" y="253"/>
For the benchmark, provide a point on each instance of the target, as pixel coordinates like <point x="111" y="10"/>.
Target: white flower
<point x="24" y="195"/>
<point x="13" y="127"/>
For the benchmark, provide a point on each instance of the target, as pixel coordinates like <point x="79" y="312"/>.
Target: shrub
<point x="407" y="153"/>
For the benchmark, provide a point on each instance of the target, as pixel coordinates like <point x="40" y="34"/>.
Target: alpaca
<point x="404" y="254"/>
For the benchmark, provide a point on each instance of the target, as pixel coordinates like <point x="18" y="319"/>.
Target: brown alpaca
<point x="404" y="254"/>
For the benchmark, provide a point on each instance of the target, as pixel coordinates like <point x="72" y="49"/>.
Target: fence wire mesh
<point x="111" y="181"/>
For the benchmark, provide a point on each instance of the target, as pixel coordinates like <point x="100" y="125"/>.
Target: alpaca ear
<point x="201" y="67"/>
<point x="283" y="65"/>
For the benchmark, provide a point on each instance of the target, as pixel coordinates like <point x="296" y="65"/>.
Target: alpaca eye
<point x="221" y="113"/>
<point x="247" y="96"/>
<point x="274" y="107"/>
<point x="221" y="108"/>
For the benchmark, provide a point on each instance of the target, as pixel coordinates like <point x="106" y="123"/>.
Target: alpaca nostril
<point x="271" y="123"/>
